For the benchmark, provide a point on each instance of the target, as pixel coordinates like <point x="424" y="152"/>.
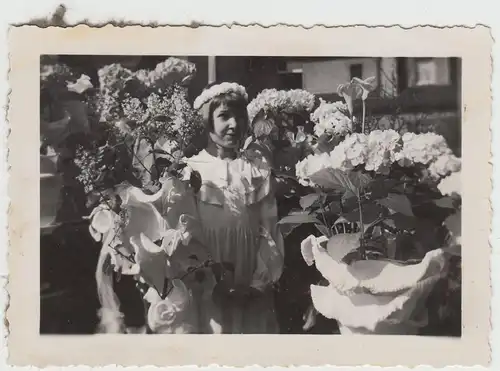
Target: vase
<point x="50" y="192"/>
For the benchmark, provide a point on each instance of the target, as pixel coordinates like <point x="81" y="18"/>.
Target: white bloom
<point x="81" y="85"/>
<point x="383" y="146"/>
<point x="164" y="316"/>
<point x="422" y="148"/>
<point x="311" y="165"/>
<point x="102" y="221"/>
<point x="276" y="101"/>
<point x="445" y="164"/>
<point x="355" y="147"/>
<point x="451" y="185"/>
<point x="330" y="118"/>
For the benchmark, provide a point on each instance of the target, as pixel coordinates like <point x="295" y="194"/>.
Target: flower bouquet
<point x="143" y="197"/>
<point x="388" y="224"/>
<point x="145" y="125"/>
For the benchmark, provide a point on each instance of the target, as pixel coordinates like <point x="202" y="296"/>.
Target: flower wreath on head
<point x="219" y="89"/>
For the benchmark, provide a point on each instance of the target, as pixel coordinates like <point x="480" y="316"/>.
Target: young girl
<point x="238" y="217"/>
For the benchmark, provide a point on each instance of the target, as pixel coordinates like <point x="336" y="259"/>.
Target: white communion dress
<point x="238" y="219"/>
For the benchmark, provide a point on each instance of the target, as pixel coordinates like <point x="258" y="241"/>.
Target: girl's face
<point x="228" y="127"/>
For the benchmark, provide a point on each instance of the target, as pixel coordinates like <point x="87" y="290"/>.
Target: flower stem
<point x="362" y="230"/>
<point x="363" y="121"/>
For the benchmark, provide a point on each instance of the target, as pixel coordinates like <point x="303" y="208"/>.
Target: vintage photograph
<point x="244" y="195"/>
<point x="250" y="194"/>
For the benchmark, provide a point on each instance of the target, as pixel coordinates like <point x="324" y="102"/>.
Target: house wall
<point x="323" y="77"/>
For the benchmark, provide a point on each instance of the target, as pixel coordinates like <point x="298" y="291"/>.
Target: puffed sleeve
<point x="270" y="257"/>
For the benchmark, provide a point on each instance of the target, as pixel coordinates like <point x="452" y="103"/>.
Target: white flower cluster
<point x="169" y="72"/>
<point x="275" y="101"/>
<point x="383" y="147"/>
<point x="113" y="78"/>
<point x="423" y="148"/>
<point x="331" y="118"/>
<point x="56" y="72"/>
<point x="219" y="89"/>
<point x="380" y="149"/>
<point x="444" y="165"/>
<point x="312" y="164"/>
<point x="428" y="149"/>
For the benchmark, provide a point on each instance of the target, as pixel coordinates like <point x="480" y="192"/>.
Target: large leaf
<point x="445" y="202"/>
<point x="334" y="207"/>
<point x="379" y="188"/>
<point x="333" y="179"/>
<point x="298" y="218"/>
<point x="308" y="200"/>
<point x="359" y="180"/>
<point x="349" y="201"/>
<point x="371" y="212"/>
<point x="397" y="203"/>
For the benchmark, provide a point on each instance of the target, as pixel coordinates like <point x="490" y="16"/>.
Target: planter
<point x="371" y="296"/>
<point x="50" y="192"/>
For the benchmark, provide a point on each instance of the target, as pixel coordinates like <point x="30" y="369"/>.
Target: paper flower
<point x="366" y="293"/>
<point x="102" y="221"/>
<point x="167" y="316"/>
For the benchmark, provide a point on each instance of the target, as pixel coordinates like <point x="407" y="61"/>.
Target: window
<point x="426" y="72"/>
<point x="291" y="81"/>
<point x="356" y="70"/>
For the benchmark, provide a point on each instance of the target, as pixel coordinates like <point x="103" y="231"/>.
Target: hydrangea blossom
<point x="444" y="165"/>
<point x="272" y="101"/>
<point x="422" y="148"/>
<point x="331" y="118"/>
<point x="383" y="147"/>
<point x="311" y="165"/>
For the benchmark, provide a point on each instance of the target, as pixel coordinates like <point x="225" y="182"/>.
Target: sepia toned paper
<point x="27" y="347"/>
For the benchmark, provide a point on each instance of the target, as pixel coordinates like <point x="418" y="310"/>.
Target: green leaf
<point x="333" y="179"/>
<point x="445" y="202"/>
<point x="323" y="230"/>
<point x="379" y="188"/>
<point x="359" y="180"/>
<point x="299" y="218"/>
<point x="371" y="212"/>
<point x="397" y="203"/>
<point x="349" y="201"/>
<point x="308" y="200"/>
<point x="401" y="221"/>
<point x="334" y="207"/>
